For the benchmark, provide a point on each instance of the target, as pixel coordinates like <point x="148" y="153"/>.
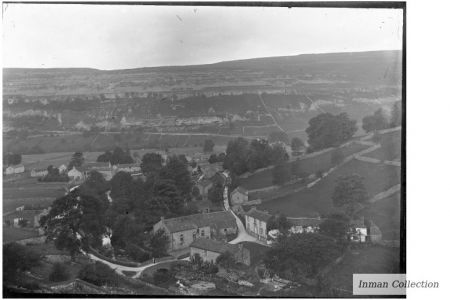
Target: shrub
<point x="98" y="274"/>
<point x="162" y="276"/>
<point x="59" y="273"/>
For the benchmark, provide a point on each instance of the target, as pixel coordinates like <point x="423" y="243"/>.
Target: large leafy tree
<point x="176" y="170"/>
<point x="299" y="255"/>
<point x="335" y="226"/>
<point x="377" y="121"/>
<point x="350" y="193"/>
<point x="74" y="219"/>
<point x="76" y="161"/>
<point x="296" y="144"/>
<point x="236" y="156"/>
<point x="327" y="130"/>
<point x="151" y="163"/>
<point x="215" y="194"/>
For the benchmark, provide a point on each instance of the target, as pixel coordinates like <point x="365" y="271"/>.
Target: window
<point x="181" y="239"/>
<point x="260" y="231"/>
<point x="202" y="233"/>
<point x="225" y="230"/>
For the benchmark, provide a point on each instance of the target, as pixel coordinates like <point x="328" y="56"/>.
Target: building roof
<point x="258" y="214"/>
<point x="305" y="221"/>
<point x="214" y="246"/>
<point x="241" y="190"/>
<point x="217" y="220"/>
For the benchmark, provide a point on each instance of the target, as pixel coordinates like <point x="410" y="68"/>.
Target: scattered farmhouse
<point x="17" y="169"/>
<point x="358" y="231"/>
<point x="239" y="196"/>
<point x="75" y="175"/>
<point x="101" y="167"/>
<point x="209" y="250"/>
<point x="25" y="217"/>
<point x="256" y="223"/>
<point x="305" y="225"/>
<point x="182" y="231"/>
<point x="128" y="168"/>
<point x="38" y="172"/>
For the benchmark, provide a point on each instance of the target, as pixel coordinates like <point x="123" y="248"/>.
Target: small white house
<point x="38" y="172"/>
<point x="17" y="169"/>
<point x="75" y="175"/>
<point x="239" y="196"/>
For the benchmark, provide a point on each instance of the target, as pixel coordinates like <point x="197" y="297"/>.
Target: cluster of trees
<point x="214" y="158"/>
<point x="117" y="156"/>
<point x="327" y="130"/>
<point x="12" y="159"/>
<point x="136" y="206"/>
<point x="297" y="256"/>
<point x="54" y="175"/>
<point x="380" y="120"/>
<point x="99" y="274"/>
<point x="296" y="144"/>
<point x="205" y="267"/>
<point x="242" y="156"/>
<point x="215" y="194"/>
<point x="279" y="222"/>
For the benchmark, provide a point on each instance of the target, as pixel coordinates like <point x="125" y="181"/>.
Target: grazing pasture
<point x="309" y="165"/>
<point x="317" y="199"/>
<point x="391" y="146"/>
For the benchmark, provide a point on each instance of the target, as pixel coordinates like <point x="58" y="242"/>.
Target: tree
<point x="396" y="115"/>
<point x="279" y="222"/>
<point x="215" y="194"/>
<point x="176" y="170"/>
<point x="278" y="136"/>
<point x="281" y="174"/>
<point x="296" y="144"/>
<point x="377" y="121"/>
<point x="335" y="226"/>
<point x="278" y="154"/>
<point x="105" y="157"/>
<point x="16" y="259"/>
<point x="327" y="130"/>
<point x="226" y="260"/>
<point x="99" y="274"/>
<point x="151" y="163"/>
<point x="350" y="193"/>
<point x="76" y="161"/>
<point x="208" y="146"/>
<point x="236" y="156"/>
<point x="157" y="242"/>
<point x="59" y="273"/>
<point x="12" y="159"/>
<point x="299" y="255"/>
<point x="74" y="219"/>
<point x="126" y="230"/>
<point x="121" y="157"/>
<point x="336" y="157"/>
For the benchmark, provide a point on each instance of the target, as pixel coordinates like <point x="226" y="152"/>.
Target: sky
<point x="121" y="37"/>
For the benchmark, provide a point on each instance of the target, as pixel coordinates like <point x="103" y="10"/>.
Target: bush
<point x="136" y="253"/>
<point x="59" y="273"/>
<point x="162" y="276"/>
<point x="98" y="274"/>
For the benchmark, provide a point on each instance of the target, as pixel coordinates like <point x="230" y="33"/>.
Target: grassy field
<point x="386" y="215"/>
<point x="390" y="147"/>
<point x="12" y="234"/>
<point x="317" y="200"/>
<point x="310" y="165"/>
<point x="370" y="260"/>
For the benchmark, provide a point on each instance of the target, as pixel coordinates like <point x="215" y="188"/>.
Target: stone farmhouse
<point x="256" y="223"/>
<point x="209" y="250"/>
<point x="38" y="172"/>
<point x="305" y="225"/>
<point x="182" y="231"/>
<point x="17" y="169"/>
<point x="29" y="216"/>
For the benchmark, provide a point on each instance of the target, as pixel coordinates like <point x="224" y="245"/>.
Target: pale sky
<point x="118" y="37"/>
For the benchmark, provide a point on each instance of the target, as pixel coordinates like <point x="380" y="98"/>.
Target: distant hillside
<point x="372" y="68"/>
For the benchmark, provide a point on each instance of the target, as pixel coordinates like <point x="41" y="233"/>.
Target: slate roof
<point x="258" y="214"/>
<point x="214" y="246"/>
<point x="217" y="220"/>
<point x="305" y="222"/>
